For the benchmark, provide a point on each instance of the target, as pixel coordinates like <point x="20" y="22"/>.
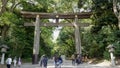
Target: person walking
<point x="73" y="59"/>
<point x="43" y="61"/>
<point x="78" y="59"/>
<point x="15" y="61"/>
<point x="8" y="62"/>
<point x="60" y="61"/>
<point x="56" y="61"/>
<point x="19" y="62"/>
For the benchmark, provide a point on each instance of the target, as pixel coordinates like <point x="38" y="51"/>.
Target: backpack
<point x="60" y="60"/>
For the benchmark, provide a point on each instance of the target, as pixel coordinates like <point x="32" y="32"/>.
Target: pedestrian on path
<point x="43" y="61"/>
<point x="9" y="61"/>
<point x="60" y="61"/>
<point x="78" y="59"/>
<point x="73" y="59"/>
<point x="55" y="60"/>
<point x="15" y="61"/>
<point x="19" y="62"/>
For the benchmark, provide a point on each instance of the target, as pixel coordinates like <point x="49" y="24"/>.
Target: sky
<point x="56" y="33"/>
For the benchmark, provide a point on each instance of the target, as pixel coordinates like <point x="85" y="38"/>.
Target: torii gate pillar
<point x="77" y="37"/>
<point x="36" y="41"/>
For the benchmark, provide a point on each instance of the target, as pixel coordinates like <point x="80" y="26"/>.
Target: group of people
<point x="15" y="62"/>
<point x="76" y="59"/>
<point x="57" y="61"/>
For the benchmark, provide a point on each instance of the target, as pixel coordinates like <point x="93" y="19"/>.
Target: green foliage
<point x="85" y="4"/>
<point x="97" y="43"/>
<point x="106" y="55"/>
<point x="30" y="6"/>
<point x="17" y="40"/>
<point x="93" y="44"/>
<point x="117" y="34"/>
<point x="8" y="18"/>
<point x="46" y="42"/>
<point x="103" y="32"/>
<point x="103" y="15"/>
<point x="66" y="41"/>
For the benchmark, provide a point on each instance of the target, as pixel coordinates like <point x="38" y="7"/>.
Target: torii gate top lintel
<point x="82" y="15"/>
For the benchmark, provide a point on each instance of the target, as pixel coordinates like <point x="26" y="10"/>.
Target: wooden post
<point x="36" y="41"/>
<point x="77" y="36"/>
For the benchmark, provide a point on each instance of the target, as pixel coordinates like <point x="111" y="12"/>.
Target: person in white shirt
<point x="15" y="61"/>
<point x="8" y="62"/>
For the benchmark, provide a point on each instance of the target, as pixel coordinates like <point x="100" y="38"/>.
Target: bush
<point x="106" y="55"/>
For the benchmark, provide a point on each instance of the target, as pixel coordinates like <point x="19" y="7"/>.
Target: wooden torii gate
<point x="56" y="16"/>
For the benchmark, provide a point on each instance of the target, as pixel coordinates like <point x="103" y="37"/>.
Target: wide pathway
<point x="67" y="64"/>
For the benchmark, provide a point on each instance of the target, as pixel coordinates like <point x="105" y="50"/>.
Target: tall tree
<point x="116" y="9"/>
<point x="104" y="29"/>
<point x="7" y="8"/>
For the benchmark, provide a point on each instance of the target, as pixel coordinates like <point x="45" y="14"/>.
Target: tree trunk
<point x="5" y="27"/>
<point x="4" y="32"/>
<point x="116" y="12"/>
<point x="119" y="21"/>
<point x="3" y="6"/>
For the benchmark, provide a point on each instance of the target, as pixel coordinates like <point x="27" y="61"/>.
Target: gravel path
<point x="67" y="64"/>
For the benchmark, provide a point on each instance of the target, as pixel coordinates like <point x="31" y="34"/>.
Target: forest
<point x="104" y="28"/>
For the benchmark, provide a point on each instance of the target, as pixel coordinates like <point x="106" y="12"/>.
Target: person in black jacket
<point x="60" y="60"/>
<point x="43" y="61"/>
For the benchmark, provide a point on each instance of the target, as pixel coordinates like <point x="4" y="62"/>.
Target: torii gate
<point x="56" y="16"/>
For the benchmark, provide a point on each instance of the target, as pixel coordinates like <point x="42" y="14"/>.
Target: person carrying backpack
<point x="43" y="61"/>
<point x="60" y="61"/>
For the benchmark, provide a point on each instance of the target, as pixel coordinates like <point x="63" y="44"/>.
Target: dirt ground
<point x="2" y="66"/>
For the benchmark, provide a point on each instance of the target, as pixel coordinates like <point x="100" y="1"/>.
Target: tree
<point x="8" y="7"/>
<point x="12" y="31"/>
<point x="116" y="9"/>
<point x="103" y="31"/>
